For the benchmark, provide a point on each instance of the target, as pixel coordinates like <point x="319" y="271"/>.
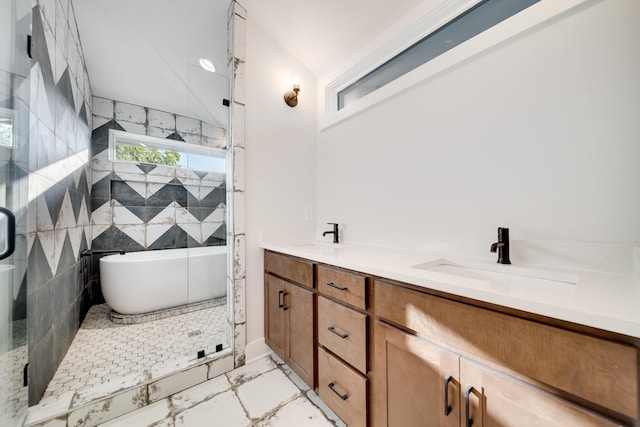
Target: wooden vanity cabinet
<point x="289" y="297"/>
<point x="507" y="370"/>
<point x="343" y="337"/>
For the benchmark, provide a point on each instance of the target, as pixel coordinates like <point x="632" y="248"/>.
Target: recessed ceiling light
<point x="207" y="65"/>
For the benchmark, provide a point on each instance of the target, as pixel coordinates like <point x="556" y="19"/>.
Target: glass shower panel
<point x="204" y="169"/>
<point x="15" y="20"/>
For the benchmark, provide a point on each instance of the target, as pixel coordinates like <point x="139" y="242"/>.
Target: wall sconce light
<point x="291" y="96"/>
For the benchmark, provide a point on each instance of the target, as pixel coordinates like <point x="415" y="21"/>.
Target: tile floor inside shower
<point x="104" y="351"/>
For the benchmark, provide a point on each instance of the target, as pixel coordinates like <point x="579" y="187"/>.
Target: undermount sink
<point x="500" y="273"/>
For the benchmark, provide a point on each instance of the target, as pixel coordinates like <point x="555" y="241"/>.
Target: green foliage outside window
<point x="6" y="135"/>
<point x="151" y="155"/>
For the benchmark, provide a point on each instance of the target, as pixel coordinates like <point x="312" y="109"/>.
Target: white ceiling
<point x="146" y="51"/>
<point x="324" y="34"/>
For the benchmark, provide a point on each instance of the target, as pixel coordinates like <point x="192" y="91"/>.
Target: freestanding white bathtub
<point x="140" y="282"/>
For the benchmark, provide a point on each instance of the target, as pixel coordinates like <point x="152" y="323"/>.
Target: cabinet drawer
<point x="343" y="389"/>
<point x="344" y="332"/>
<point x="345" y="286"/>
<point x="600" y="371"/>
<point x="295" y="269"/>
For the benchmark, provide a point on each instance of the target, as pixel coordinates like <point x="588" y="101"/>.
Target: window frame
<point x="123" y="137"/>
<point x="402" y="36"/>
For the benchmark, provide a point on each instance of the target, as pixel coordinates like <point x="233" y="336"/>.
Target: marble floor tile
<point x="223" y="410"/>
<point x="266" y="392"/>
<point x="299" y="412"/>
<point x="259" y="394"/>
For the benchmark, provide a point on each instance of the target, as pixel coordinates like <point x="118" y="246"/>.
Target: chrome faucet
<point x="336" y="239"/>
<point x="502" y="246"/>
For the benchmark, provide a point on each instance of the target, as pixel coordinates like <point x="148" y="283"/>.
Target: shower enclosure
<point x="15" y="20"/>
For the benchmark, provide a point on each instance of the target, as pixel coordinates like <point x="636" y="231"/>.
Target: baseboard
<point x="256" y="350"/>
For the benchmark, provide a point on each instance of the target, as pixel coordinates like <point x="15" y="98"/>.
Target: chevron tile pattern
<point x="59" y="181"/>
<point x="145" y="207"/>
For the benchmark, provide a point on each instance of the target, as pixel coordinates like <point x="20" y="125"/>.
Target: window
<point x="443" y="34"/>
<point x="142" y="149"/>
<point x="479" y="18"/>
<point x="6" y="128"/>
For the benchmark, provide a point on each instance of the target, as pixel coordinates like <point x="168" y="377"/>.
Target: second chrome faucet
<point x="336" y="238"/>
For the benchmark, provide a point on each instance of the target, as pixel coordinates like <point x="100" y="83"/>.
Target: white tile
<point x="191" y="138"/>
<point x="122" y="216"/>
<point x="239" y="38"/>
<point x="142" y="417"/>
<point x="167" y="216"/>
<point x="155" y="231"/>
<point x="251" y="371"/>
<point x="159" y="132"/>
<point x="136" y="128"/>
<point x="300" y="412"/>
<point x="239" y="262"/>
<point x="162" y="120"/>
<point x="212" y="131"/>
<point x="110" y="408"/>
<point x="220" y="366"/>
<point x="238" y="169"/>
<point x="184" y="217"/>
<point x="222" y="410"/>
<point x="136" y="232"/>
<point x="130" y="113"/>
<point x="193" y="230"/>
<point x="101" y="162"/>
<point x="188" y="125"/>
<point x="53" y="408"/>
<point x="239" y="343"/>
<point x="129" y="168"/>
<point x="177" y="382"/>
<point x="239" y="301"/>
<point x="199" y="393"/>
<point x="103" y="107"/>
<point x="239" y="83"/>
<point x="238" y="125"/>
<point x="266" y="392"/>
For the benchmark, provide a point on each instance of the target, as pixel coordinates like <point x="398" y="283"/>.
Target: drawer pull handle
<point x="332" y="329"/>
<point x="447" y="408"/>
<point x="342" y="288"/>
<point x="284" y="300"/>
<point x="332" y="386"/>
<point x="468" y="420"/>
<point x="280" y="299"/>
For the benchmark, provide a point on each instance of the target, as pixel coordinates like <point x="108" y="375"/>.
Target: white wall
<point x="540" y="134"/>
<point x="280" y="165"/>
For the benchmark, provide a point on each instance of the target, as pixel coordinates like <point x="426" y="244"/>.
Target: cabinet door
<point x="497" y="400"/>
<point x="300" y="346"/>
<point x="410" y="381"/>
<point x="274" y="327"/>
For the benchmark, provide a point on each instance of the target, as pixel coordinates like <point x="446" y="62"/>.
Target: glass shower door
<point x="15" y="65"/>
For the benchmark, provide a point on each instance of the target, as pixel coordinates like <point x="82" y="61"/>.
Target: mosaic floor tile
<point x="105" y="354"/>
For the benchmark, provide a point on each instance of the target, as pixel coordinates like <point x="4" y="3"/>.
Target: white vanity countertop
<point x="601" y="300"/>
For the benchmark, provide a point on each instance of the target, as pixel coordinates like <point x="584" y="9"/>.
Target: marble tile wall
<point x="59" y="189"/>
<point x="236" y="25"/>
<point x="146" y="207"/>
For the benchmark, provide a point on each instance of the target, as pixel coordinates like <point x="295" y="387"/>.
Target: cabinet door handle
<point x="447" y="408"/>
<point x="332" y="329"/>
<point x="342" y="288"/>
<point x="284" y="300"/>
<point x="332" y="386"/>
<point x="468" y="421"/>
<point x="280" y="299"/>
